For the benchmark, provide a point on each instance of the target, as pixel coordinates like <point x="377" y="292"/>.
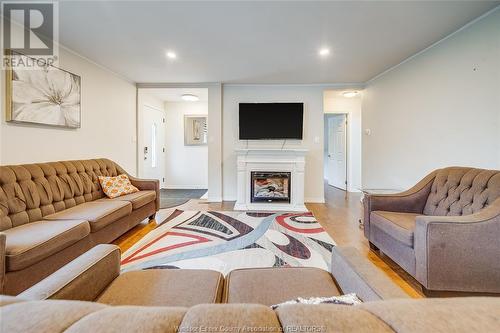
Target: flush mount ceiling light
<point x="350" y="94"/>
<point x="323" y="52"/>
<point x="190" y="97"/>
<point x="171" y="55"/>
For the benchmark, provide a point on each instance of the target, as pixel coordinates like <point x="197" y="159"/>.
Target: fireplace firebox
<point x="270" y="186"/>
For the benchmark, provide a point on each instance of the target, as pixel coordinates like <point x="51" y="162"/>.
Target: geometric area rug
<point x="224" y="241"/>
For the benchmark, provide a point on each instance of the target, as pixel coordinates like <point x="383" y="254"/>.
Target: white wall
<point x="186" y="166"/>
<point x="335" y="103"/>
<point x="214" y="142"/>
<point x="440" y="108"/>
<point x="311" y="96"/>
<point x="108" y="122"/>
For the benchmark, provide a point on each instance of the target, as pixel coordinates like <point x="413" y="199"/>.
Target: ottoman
<point x="273" y="285"/>
<point x="164" y="287"/>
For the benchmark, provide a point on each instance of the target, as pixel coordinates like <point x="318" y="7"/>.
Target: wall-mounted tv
<point x="271" y="121"/>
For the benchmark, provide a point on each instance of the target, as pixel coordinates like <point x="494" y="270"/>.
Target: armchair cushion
<point x="400" y="226"/>
<point x="32" y="242"/>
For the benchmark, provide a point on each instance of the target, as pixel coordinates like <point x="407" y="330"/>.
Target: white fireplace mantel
<point x="274" y="160"/>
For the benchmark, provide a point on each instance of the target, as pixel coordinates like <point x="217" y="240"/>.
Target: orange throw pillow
<point x="117" y="186"/>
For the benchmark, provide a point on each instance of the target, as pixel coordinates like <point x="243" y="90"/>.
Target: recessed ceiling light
<point x="190" y="97"/>
<point x="324" y="52"/>
<point x="171" y="55"/>
<point x="350" y="94"/>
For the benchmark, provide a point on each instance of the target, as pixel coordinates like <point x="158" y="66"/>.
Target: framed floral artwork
<point x="46" y="95"/>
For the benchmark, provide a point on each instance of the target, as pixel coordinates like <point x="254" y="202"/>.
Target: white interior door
<point x="336" y="168"/>
<point x="154" y="144"/>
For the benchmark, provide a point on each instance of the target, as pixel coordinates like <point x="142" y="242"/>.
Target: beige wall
<point x="438" y="109"/>
<point x="108" y="122"/>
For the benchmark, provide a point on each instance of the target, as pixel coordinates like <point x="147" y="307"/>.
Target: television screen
<point x="261" y="121"/>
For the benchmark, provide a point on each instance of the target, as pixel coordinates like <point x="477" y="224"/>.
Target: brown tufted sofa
<point x="459" y="315"/>
<point x="50" y="213"/>
<point x="444" y="231"/>
<point x="90" y="295"/>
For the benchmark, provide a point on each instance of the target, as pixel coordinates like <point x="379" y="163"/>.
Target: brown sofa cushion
<point x="230" y="318"/>
<point x="44" y="316"/>
<point x="131" y="319"/>
<point x="270" y="286"/>
<point x="98" y="213"/>
<point x="164" y="287"/>
<point x="329" y="318"/>
<point x="460" y="315"/>
<point x="32" y="242"/>
<point x="137" y="199"/>
<point x="400" y="226"/>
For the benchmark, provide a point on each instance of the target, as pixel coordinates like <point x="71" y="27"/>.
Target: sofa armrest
<point x="3" y="239"/>
<point x="410" y="201"/>
<point x="459" y="253"/>
<point x="148" y="184"/>
<point x="83" y="279"/>
<point x="356" y="274"/>
<point x="144" y="184"/>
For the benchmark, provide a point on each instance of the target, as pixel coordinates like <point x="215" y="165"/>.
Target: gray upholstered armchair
<point x="444" y="231"/>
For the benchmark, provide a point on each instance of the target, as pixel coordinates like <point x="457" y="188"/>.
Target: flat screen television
<point x="271" y="121"/>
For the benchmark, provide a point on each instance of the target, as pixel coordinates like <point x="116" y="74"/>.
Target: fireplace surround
<point x="270" y="179"/>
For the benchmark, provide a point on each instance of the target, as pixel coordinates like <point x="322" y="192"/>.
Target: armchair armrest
<point x="83" y="279"/>
<point x="459" y="253"/>
<point x="410" y="201"/>
<point x="356" y="274"/>
<point x="3" y="239"/>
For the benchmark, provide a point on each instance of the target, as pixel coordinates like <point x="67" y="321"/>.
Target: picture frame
<point x="46" y="96"/>
<point x="195" y="130"/>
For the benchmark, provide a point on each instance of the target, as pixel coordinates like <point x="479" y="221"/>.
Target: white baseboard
<point x="310" y="199"/>
<point x="214" y="199"/>
<point x="186" y="187"/>
<point x="314" y="200"/>
<point x="270" y="207"/>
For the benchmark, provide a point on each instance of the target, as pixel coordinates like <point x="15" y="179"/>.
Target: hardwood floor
<point x="339" y="215"/>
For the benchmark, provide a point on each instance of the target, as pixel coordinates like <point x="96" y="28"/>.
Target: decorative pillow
<point x="348" y="299"/>
<point x="117" y="186"/>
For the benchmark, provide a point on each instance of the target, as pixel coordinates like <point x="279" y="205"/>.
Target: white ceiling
<point x="175" y="94"/>
<point x="259" y="41"/>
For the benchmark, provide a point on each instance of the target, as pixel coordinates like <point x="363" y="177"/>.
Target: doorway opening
<point x="173" y="142"/>
<point x="342" y="140"/>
